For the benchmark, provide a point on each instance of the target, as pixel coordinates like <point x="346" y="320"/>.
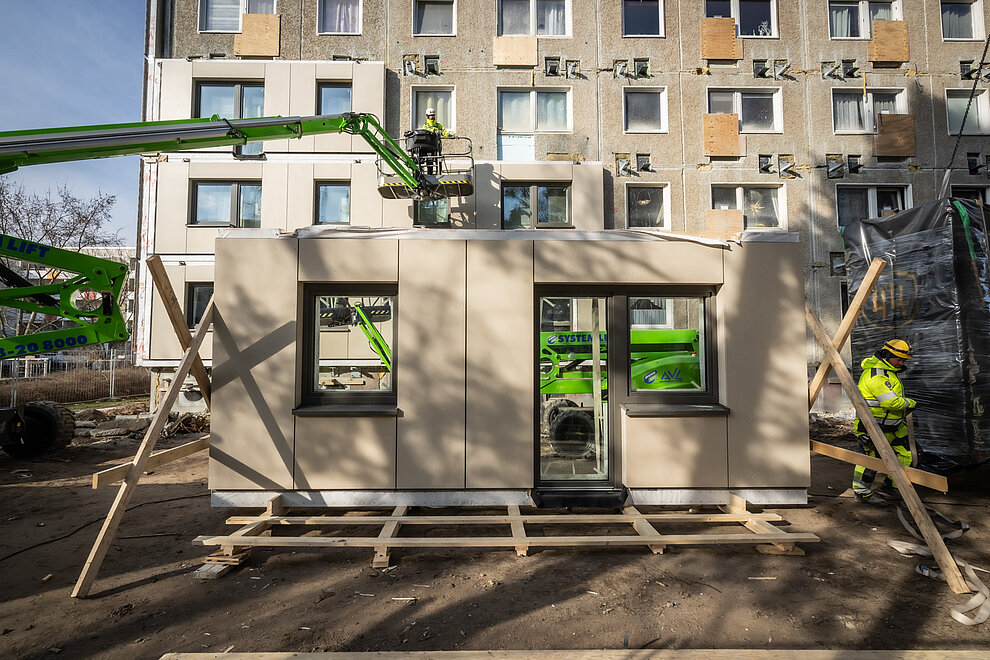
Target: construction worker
<point x="433" y="125"/>
<point x="884" y="393"/>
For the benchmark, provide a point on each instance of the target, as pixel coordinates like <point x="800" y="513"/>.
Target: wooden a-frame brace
<point x="892" y="466"/>
<point x="131" y="472"/>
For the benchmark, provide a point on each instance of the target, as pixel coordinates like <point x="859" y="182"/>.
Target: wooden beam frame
<point x="118" y="472"/>
<point x="916" y="476"/>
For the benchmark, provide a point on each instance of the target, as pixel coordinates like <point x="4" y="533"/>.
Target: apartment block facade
<point x="687" y="117"/>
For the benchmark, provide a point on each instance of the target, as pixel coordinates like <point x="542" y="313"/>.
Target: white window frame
<point x="874" y="211"/>
<point x="319" y="20"/>
<point x="982" y="100"/>
<point x="568" y="19"/>
<point x="778" y="106"/>
<point x="977" y="16"/>
<point x="662" y="91"/>
<point x="451" y="124"/>
<point x="240" y="21"/>
<point x="662" y="24"/>
<point x="871" y="119"/>
<point x="453" y="24"/>
<point x="865" y="24"/>
<point x="774" y="21"/>
<point x="533" y="107"/>
<point x="665" y="191"/>
<point x="741" y="202"/>
<point x="985" y="190"/>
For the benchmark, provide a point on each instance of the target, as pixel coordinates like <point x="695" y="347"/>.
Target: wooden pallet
<point x="650" y="530"/>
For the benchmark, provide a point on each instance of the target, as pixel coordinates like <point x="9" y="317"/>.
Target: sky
<point x="68" y="63"/>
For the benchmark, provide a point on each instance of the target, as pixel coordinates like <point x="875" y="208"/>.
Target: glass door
<point x="573" y="438"/>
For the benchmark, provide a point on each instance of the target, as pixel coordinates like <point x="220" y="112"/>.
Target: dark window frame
<point x="191" y="316"/>
<point x="351" y="398"/>
<point x="333" y="84"/>
<point x="235" y="201"/>
<point x="256" y="150"/>
<point x="534" y="187"/>
<point x="417" y="222"/>
<point x="316" y="201"/>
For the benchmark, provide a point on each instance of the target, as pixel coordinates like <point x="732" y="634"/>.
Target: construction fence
<point x="72" y="377"/>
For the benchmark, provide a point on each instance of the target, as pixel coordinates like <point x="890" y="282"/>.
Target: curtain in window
<point x="755" y="18"/>
<point x="516" y="209"/>
<point x="723" y="198"/>
<point x="550" y="17"/>
<point x="515" y="16"/>
<point x="645" y="207"/>
<point x="881" y="11"/>
<point x="957" y="20"/>
<point x="334" y="204"/>
<point x="647" y="311"/>
<point x="883" y="103"/>
<point x="439" y="101"/>
<point x="513" y="111"/>
<point x="435" y="17"/>
<point x="643" y="112"/>
<point x="757" y="111"/>
<point x="760" y="207"/>
<point x="640" y="17"/>
<point x="341" y="16"/>
<point x="721" y="102"/>
<point x="260" y="7"/>
<point x="551" y="111"/>
<point x="220" y="15"/>
<point x="843" y="19"/>
<point x="213" y="203"/>
<point x="852" y="204"/>
<point x="552" y="204"/>
<point x="849" y="111"/>
<point x="250" y="206"/>
<point x="956" y="105"/>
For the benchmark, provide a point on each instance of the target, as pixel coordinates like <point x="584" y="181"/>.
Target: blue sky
<point x="72" y="62"/>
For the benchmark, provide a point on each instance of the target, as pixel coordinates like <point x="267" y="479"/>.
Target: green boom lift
<point x="87" y="299"/>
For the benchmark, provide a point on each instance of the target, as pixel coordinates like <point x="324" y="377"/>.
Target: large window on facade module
<point x="198" y="294"/>
<point x="548" y="18"/>
<point x="333" y="98"/>
<point x="226" y="204"/>
<point x="754" y="18"/>
<point x="348" y="341"/>
<point x="339" y="17"/>
<point x="536" y="205"/>
<point x="333" y="203"/>
<point x="853" y="19"/>
<point x="233" y="100"/>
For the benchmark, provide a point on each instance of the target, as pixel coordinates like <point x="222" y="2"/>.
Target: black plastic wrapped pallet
<point x="934" y="295"/>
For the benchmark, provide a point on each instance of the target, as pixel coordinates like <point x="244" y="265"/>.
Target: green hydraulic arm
<point x="375" y="339"/>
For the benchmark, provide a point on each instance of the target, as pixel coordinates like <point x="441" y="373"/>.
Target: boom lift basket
<point x="446" y="163"/>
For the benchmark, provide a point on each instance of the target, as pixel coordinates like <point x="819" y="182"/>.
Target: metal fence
<point x="71" y="377"/>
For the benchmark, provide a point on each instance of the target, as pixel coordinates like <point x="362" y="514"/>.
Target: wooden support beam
<point x="893" y="467"/>
<point x="644" y="528"/>
<point x="916" y="476"/>
<point x="737" y="504"/>
<point x="137" y="466"/>
<point x="518" y="530"/>
<point x="846" y="326"/>
<point x="178" y="319"/>
<point x="118" y="472"/>
<point x="388" y="532"/>
<point x="532" y="518"/>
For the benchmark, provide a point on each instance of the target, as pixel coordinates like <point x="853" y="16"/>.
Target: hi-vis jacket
<point x="883" y="392"/>
<point x="434" y="125"/>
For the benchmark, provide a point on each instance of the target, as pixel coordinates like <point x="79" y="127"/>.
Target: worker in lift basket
<point x="433" y="125"/>
<point x="884" y="393"/>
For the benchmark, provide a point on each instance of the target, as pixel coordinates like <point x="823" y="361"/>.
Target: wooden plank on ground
<point x="846" y="326"/>
<point x="211" y="571"/>
<point x="518" y="530"/>
<point x="178" y="319"/>
<point x="644" y="528"/>
<point x="116" y="513"/>
<point x="893" y="467"/>
<point x="529" y="518"/>
<point x="388" y="531"/>
<point x="118" y="472"/>
<point x="914" y="475"/>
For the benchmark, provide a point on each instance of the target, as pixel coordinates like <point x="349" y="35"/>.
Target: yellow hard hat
<point x="898" y="348"/>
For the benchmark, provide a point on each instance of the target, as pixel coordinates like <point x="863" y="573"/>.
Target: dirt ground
<point x="851" y="591"/>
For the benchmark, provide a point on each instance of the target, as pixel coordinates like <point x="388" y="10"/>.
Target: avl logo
<point x="667" y="377"/>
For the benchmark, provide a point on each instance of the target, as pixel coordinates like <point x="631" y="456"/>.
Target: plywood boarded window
<point x="718" y="39"/>
<point x="895" y="136"/>
<point x="722" y="223"/>
<point x="890" y="42"/>
<point x="514" y="51"/>
<point x="722" y="135"/>
<point x="258" y="37"/>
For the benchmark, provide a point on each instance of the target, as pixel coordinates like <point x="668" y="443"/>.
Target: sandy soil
<point x="851" y="591"/>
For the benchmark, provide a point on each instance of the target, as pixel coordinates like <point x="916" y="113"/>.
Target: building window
<point x="837" y="264"/>
<point x="348" y="340"/>
<point x="760" y="205"/>
<point x="754" y="18"/>
<point x="856" y="111"/>
<point x="644" y="110"/>
<point x="854" y="19"/>
<point x="225" y="15"/>
<point x="646" y="207"/>
<point x="233" y="100"/>
<point x="431" y="213"/>
<point x="198" y="294"/>
<point x="642" y="18"/>
<point x="433" y="18"/>
<point x="533" y="17"/>
<point x="666" y="339"/>
<point x="333" y="98"/>
<point x="339" y="17"/>
<point x="862" y="202"/>
<point x="961" y="20"/>
<point x="978" y="120"/>
<point x="226" y="204"/>
<point x="978" y="193"/>
<point x="333" y="203"/>
<point x="758" y="111"/>
<point x="552" y="201"/>
<point x="441" y="100"/>
<point x="530" y="111"/>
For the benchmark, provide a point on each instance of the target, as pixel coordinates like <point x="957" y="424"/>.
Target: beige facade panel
<point x="499" y="396"/>
<point x="895" y="136"/>
<point x="762" y="327"/>
<point x="674" y="452"/>
<point x="164" y="344"/>
<point x="722" y="135"/>
<point x="176" y="97"/>
<point x="514" y="51"/>
<point x="258" y="37"/>
<point x="429" y="354"/>
<point x="344" y="453"/>
<point x="890" y="42"/>
<point x="718" y="39"/>
<point x="634" y="262"/>
<point x="254" y="378"/>
<point x="348" y="261"/>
